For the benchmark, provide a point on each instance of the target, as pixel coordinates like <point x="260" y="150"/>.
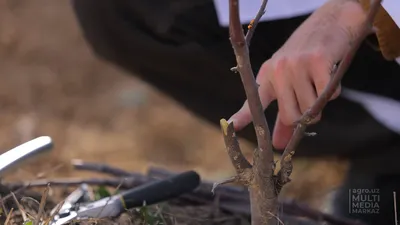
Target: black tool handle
<point x="161" y="190"/>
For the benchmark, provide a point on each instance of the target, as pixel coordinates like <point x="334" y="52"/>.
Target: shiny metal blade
<point x="24" y="151"/>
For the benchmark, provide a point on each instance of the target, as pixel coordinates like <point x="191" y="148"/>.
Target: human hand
<point x="299" y="72"/>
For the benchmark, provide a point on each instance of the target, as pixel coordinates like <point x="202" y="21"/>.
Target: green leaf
<point x="28" y="222"/>
<point x="150" y="218"/>
<point x="101" y="192"/>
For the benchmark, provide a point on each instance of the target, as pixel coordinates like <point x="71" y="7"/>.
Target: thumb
<point x="282" y="134"/>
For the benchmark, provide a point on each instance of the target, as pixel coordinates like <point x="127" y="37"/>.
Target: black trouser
<point x="179" y="47"/>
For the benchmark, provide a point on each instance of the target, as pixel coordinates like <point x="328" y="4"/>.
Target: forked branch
<point x="241" y="51"/>
<point x="260" y="180"/>
<point x="264" y="186"/>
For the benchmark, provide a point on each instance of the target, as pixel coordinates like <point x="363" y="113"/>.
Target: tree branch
<point x="263" y="194"/>
<point x="322" y="100"/>
<point x="226" y="181"/>
<point x="238" y="160"/>
<point x="263" y="185"/>
<point x="253" y="24"/>
<point x="250" y="86"/>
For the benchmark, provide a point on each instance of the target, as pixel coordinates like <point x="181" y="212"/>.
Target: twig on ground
<point x="44" y="174"/>
<point x="26" y="199"/>
<point x="20" y="208"/>
<point x="59" y="206"/>
<point x="19" y="189"/>
<point x="9" y="216"/>
<point x="42" y="204"/>
<point x="127" y="182"/>
<point x="102" y="168"/>
<point x="233" y="199"/>
<point x="3" y="207"/>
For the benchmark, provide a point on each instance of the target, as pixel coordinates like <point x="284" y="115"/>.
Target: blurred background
<point x="51" y="84"/>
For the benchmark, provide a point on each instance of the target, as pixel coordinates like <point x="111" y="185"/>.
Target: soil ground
<point x="52" y="84"/>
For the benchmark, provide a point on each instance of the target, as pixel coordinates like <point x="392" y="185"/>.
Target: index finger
<point x="266" y="92"/>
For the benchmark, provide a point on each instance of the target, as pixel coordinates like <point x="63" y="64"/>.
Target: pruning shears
<point x="147" y="194"/>
<point x="24" y="151"/>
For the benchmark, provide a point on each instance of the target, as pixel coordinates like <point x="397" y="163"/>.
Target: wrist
<point x="352" y="18"/>
<point x="347" y="14"/>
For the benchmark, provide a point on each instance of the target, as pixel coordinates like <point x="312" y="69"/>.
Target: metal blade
<point x="24" y="151"/>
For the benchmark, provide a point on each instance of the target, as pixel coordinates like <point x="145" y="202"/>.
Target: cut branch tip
<point x="224" y="126"/>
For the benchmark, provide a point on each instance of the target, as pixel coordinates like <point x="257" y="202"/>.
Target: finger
<point x="284" y="91"/>
<point x="337" y="92"/>
<point x="282" y="134"/>
<point x="320" y="74"/>
<point x="304" y="90"/>
<point x="306" y="96"/>
<point x="287" y="103"/>
<point x="243" y="117"/>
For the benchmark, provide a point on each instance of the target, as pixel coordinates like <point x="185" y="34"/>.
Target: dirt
<point x="52" y="84"/>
